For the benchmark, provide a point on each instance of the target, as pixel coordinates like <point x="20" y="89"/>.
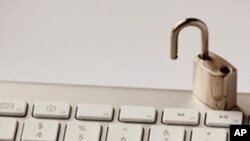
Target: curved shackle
<point x="190" y="22"/>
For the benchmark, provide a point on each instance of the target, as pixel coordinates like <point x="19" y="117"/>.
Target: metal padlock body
<point x="215" y="82"/>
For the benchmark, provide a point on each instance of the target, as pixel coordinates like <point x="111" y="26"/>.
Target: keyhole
<point x="225" y="70"/>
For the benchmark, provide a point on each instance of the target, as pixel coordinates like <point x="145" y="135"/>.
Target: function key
<point x="13" y="108"/>
<point x="94" y="112"/>
<point x="223" y="118"/>
<point x="140" y="114"/>
<point x="51" y="110"/>
<point x="180" y="116"/>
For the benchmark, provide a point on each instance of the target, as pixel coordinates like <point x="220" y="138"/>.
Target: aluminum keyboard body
<point x="75" y="94"/>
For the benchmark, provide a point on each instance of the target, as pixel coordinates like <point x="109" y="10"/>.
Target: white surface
<point x="165" y="133"/>
<point x="53" y="110"/>
<point x="124" y="132"/>
<point x="223" y="118"/>
<point x="7" y="129"/>
<point x="117" y="43"/>
<point x="16" y="108"/>
<point x="141" y="114"/>
<point x="83" y="131"/>
<point x="40" y="130"/>
<point x="103" y="112"/>
<point x="181" y="116"/>
<point x="211" y="134"/>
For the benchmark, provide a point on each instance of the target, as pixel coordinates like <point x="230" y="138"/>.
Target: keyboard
<point x="55" y="112"/>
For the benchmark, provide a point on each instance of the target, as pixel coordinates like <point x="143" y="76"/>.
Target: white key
<point x="51" y="110"/>
<point x="223" y="118"/>
<point x="123" y="132"/>
<point x="95" y="112"/>
<point x="79" y="131"/>
<point x="13" y="108"/>
<point x="209" y="134"/>
<point x="40" y="130"/>
<point x="181" y="116"/>
<point x="7" y="129"/>
<point x="166" y="133"/>
<point x="140" y="114"/>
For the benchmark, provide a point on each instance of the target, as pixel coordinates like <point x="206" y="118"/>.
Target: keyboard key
<point x="142" y="114"/>
<point x="166" y="133"/>
<point x="13" y="108"/>
<point x="122" y="132"/>
<point x="51" y="110"/>
<point x="40" y="130"/>
<point x="209" y="134"/>
<point x="223" y="118"/>
<point x="7" y="129"/>
<point x="79" y="131"/>
<point x="94" y="112"/>
<point x="180" y="116"/>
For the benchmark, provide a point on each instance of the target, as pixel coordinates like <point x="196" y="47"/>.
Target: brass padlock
<point x="214" y="78"/>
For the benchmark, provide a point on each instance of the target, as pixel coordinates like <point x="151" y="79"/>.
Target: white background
<point x="118" y="42"/>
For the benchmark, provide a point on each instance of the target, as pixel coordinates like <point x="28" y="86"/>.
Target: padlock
<point x="214" y="78"/>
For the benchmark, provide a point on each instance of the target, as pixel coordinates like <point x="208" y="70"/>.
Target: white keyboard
<point x="51" y="112"/>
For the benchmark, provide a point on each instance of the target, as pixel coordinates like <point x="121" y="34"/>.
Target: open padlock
<point x="214" y="79"/>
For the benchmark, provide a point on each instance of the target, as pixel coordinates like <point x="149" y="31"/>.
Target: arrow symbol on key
<point x="124" y="129"/>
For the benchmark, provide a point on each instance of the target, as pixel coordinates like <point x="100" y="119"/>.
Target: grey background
<point x="118" y="42"/>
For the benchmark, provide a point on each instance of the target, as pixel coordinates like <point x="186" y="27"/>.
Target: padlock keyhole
<point x="225" y="70"/>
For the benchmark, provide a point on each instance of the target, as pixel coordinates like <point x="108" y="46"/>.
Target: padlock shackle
<point x="190" y="22"/>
